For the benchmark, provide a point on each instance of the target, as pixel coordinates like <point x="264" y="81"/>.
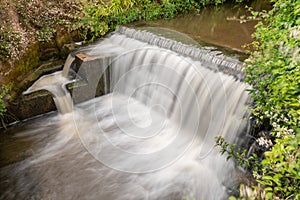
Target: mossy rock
<point x="29" y="60"/>
<point x="63" y="37"/>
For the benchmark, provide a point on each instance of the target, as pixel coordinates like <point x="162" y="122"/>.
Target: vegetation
<point x="273" y="70"/>
<point x="3" y="92"/>
<point x="27" y="25"/>
<point x="24" y="22"/>
<point x="100" y="17"/>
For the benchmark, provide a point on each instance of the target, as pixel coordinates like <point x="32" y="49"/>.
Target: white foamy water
<point x="151" y="137"/>
<point x="56" y="83"/>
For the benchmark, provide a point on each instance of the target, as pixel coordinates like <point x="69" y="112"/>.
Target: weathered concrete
<point x="91" y="74"/>
<point x="30" y="105"/>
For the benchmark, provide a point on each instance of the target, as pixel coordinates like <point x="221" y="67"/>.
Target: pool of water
<point x="218" y="26"/>
<point x="14" y="147"/>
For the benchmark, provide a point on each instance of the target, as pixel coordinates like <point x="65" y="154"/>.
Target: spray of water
<point x="151" y="137"/>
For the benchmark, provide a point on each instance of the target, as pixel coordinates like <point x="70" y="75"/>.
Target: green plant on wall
<point x="3" y="92"/>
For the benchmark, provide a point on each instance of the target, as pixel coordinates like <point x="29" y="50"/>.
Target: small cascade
<point x="70" y="59"/>
<point x="56" y="83"/>
<point x="152" y="136"/>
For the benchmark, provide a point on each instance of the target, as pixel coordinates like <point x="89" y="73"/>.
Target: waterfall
<point x="56" y="83"/>
<point x="70" y="59"/>
<point x="150" y="137"/>
<point x="215" y="60"/>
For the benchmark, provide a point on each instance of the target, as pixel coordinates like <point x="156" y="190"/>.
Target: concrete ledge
<point x="29" y="106"/>
<point x="92" y="80"/>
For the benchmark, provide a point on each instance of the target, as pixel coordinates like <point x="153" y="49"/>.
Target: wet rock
<point x="29" y="106"/>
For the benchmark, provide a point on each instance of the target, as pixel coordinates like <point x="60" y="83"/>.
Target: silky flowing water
<point x="151" y="136"/>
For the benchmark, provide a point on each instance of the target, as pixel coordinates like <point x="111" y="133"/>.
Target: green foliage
<point x="274" y="68"/>
<point x="237" y="153"/>
<point x="100" y="17"/>
<point x="3" y="92"/>
<point x="278" y="173"/>
<point x="273" y="71"/>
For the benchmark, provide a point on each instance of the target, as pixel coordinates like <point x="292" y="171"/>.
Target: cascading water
<point x="56" y="84"/>
<point x="151" y="137"/>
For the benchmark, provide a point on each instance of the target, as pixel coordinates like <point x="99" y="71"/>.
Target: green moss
<point x="3" y="92"/>
<point x="33" y="58"/>
<point x="29" y="60"/>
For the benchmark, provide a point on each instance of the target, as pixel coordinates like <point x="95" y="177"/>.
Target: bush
<point x="273" y="70"/>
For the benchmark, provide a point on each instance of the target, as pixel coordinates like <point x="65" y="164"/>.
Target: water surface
<point x="152" y="137"/>
<point x="214" y="25"/>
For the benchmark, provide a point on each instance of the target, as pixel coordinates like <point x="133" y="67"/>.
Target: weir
<point x="151" y="136"/>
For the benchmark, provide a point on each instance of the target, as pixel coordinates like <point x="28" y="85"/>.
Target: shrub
<point x="273" y="70"/>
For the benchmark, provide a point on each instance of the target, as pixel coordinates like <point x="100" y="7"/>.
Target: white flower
<point x="295" y="33"/>
<point x="264" y="142"/>
<point x="278" y="134"/>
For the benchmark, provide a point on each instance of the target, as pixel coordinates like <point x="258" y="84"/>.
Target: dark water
<point x="14" y="147"/>
<point x="214" y="25"/>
